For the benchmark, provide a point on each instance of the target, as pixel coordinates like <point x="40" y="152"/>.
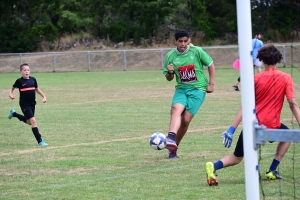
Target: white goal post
<point x="248" y="99"/>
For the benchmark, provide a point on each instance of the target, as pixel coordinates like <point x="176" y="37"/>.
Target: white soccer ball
<point x="158" y="141"/>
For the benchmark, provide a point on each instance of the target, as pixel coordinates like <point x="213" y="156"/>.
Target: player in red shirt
<point x="271" y="87"/>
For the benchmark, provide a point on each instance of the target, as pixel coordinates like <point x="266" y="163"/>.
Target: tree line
<point x="26" y="23"/>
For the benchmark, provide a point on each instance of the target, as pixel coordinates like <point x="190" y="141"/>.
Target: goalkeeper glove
<point x="228" y="137"/>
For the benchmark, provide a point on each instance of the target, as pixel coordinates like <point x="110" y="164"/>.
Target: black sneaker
<point x="236" y="88"/>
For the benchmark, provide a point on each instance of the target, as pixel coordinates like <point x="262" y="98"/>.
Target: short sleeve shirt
<point x="27" y="90"/>
<point x="271" y="87"/>
<point x="256" y="45"/>
<point x="188" y="66"/>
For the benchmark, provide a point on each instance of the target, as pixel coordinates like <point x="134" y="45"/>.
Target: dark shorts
<point x="28" y="111"/>
<point x="239" y="148"/>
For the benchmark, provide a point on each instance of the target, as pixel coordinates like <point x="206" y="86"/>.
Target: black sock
<point x="37" y="134"/>
<point x="20" y="117"/>
<point x="172" y="136"/>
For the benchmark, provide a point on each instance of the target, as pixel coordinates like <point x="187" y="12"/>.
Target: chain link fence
<point x="137" y="59"/>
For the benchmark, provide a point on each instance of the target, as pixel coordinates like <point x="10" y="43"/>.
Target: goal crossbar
<point x="262" y="135"/>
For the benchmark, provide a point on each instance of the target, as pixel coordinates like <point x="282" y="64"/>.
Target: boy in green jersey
<point x="186" y="63"/>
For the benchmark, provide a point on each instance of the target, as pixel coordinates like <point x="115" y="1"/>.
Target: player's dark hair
<point x="22" y="65"/>
<point x="269" y="55"/>
<point x="256" y="34"/>
<point x="181" y="33"/>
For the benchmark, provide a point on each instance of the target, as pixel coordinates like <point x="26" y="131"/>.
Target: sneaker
<point x="43" y="144"/>
<point x="236" y="88"/>
<point x="172" y="154"/>
<point x="273" y="175"/>
<point x="210" y="173"/>
<point x="11" y="113"/>
<point x="171" y="144"/>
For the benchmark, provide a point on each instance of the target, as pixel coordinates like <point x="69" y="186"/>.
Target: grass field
<point x="98" y="124"/>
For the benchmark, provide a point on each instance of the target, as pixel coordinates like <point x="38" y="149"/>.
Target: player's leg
<point x="13" y="113"/>
<point x="29" y="114"/>
<point x="258" y="65"/>
<point x="195" y="99"/>
<point x="178" y="106"/>
<point x="236" y="85"/>
<point x="282" y="148"/>
<point x="258" y="69"/>
<point x="175" y="122"/>
<point x="186" y="118"/>
<point x="226" y="161"/>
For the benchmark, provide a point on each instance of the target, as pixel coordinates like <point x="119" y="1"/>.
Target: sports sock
<point x="218" y="165"/>
<point x="274" y="165"/>
<point x="20" y="117"/>
<point x="37" y="134"/>
<point x="172" y="136"/>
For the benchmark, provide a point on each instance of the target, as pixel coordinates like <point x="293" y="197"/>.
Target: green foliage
<point x="48" y="20"/>
<point x="119" y="31"/>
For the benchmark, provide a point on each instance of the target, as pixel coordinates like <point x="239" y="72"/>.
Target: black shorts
<point x="28" y="111"/>
<point x="239" y="148"/>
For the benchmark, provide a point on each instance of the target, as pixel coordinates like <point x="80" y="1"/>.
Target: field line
<point x="20" y="152"/>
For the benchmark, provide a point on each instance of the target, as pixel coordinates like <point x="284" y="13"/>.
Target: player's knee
<point x="237" y="160"/>
<point x="32" y="122"/>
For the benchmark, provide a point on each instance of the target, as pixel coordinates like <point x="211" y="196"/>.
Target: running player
<point x="27" y="87"/>
<point x="186" y="63"/>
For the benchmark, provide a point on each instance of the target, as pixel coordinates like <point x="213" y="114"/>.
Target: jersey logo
<point x="23" y="84"/>
<point x="177" y="61"/>
<point x="187" y="73"/>
<point x="192" y="56"/>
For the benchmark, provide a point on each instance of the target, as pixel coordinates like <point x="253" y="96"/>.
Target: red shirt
<point x="271" y="86"/>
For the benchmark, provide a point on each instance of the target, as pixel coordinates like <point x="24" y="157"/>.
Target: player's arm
<point x="170" y="74"/>
<point x="228" y="135"/>
<point x="211" y="72"/>
<point x="11" y="95"/>
<point x="295" y="109"/>
<point x="41" y="94"/>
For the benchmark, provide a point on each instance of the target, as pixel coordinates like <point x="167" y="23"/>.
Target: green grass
<point x="98" y="124"/>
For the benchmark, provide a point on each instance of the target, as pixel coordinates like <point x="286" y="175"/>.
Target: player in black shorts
<point x="27" y="87"/>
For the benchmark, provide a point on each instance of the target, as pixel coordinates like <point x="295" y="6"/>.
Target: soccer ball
<point x="158" y="141"/>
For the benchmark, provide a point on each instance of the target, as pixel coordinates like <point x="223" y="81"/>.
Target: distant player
<point x="271" y="87"/>
<point x="256" y="45"/>
<point x="27" y="87"/>
<point x="186" y="64"/>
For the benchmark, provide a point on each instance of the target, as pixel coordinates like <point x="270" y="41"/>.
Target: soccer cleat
<point x="171" y="144"/>
<point x="11" y="113"/>
<point x="210" y="173"/>
<point x="172" y="154"/>
<point x="236" y="88"/>
<point x="273" y="175"/>
<point x="43" y="144"/>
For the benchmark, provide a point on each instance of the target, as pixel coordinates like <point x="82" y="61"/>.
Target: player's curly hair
<point x="181" y="33"/>
<point x="269" y="55"/>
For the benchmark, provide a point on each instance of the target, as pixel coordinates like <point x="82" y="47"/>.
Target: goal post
<point x="248" y="99"/>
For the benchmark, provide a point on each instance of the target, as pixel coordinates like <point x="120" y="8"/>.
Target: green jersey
<point x="188" y="66"/>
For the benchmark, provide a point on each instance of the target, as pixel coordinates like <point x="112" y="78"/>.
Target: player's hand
<point x="170" y="68"/>
<point x="44" y="100"/>
<point x="210" y="88"/>
<point x="12" y="97"/>
<point x="228" y="137"/>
